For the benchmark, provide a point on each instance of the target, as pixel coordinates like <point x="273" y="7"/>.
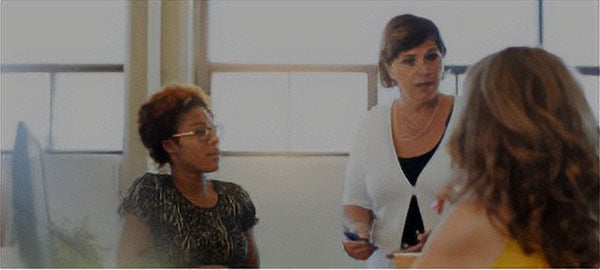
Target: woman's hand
<point x="422" y="237"/>
<point x="360" y="249"/>
<point x="357" y="228"/>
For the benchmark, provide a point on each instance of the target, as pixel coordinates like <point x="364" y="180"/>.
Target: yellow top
<point x="514" y="257"/>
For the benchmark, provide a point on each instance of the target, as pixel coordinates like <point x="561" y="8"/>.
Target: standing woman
<point x="183" y="219"/>
<point x="528" y="145"/>
<point x="398" y="160"/>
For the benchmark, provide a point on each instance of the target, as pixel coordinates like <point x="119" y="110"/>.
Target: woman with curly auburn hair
<point x="184" y="219"/>
<point x="527" y="146"/>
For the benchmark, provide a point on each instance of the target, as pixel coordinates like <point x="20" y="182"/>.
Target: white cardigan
<point x="374" y="180"/>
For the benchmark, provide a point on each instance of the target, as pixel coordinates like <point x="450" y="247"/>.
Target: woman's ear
<point x="389" y="69"/>
<point x="168" y="145"/>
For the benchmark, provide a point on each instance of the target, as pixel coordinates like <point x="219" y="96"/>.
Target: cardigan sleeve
<point x="355" y="191"/>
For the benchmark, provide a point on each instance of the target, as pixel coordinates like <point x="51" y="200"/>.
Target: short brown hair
<point x="159" y="117"/>
<point x="402" y="33"/>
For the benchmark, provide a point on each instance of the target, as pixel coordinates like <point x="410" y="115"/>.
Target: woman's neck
<point x="417" y="128"/>
<point x="411" y="106"/>
<point x="189" y="183"/>
<point x="195" y="188"/>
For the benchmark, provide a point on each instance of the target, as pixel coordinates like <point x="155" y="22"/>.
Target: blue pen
<point x="354" y="237"/>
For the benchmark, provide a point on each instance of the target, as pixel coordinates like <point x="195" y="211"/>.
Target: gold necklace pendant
<point x="424" y="131"/>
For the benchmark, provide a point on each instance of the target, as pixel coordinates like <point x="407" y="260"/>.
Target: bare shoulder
<point x="466" y="238"/>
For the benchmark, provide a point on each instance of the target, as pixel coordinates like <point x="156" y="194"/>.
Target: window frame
<point x="204" y="79"/>
<point x="53" y="70"/>
<point x="371" y="72"/>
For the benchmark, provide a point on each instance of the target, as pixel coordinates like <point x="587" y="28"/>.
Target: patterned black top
<point x="185" y="235"/>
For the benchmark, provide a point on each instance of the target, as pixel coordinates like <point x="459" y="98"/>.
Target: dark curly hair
<point x="159" y="117"/>
<point x="402" y="33"/>
<point x="528" y="141"/>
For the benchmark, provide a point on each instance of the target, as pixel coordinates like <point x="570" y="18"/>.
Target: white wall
<point x="298" y="201"/>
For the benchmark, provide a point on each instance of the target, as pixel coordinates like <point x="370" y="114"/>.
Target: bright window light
<point x="325" y="110"/>
<point x="88" y="111"/>
<point x="25" y="97"/>
<point x="253" y="110"/>
<point x="349" y="32"/>
<point x="571" y="31"/>
<point x="63" y="32"/>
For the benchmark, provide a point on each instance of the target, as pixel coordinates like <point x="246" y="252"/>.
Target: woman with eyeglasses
<point x="398" y="160"/>
<point x="183" y="219"/>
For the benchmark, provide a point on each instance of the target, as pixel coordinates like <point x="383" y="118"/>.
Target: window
<point x="324" y="110"/>
<point x="250" y="122"/>
<point x="101" y="94"/>
<point x="348" y="32"/>
<point x="31" y="104"/>
<point x="295" y="76"/>
<point x="571" y="31"/>
<point x="288" y="112"/>
<point x="62" y="73"/>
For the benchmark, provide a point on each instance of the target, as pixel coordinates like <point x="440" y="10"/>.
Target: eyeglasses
<point x="203" y="133"/>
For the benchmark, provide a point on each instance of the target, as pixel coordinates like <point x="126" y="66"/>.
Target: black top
<point x="412" y="168"/>
<point x="185" y="235"/>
